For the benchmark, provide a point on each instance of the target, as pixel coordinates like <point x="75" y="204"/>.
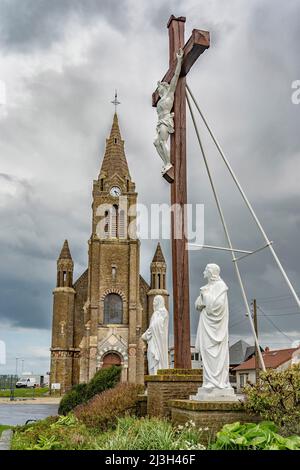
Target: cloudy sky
<point x="60" y="63"/>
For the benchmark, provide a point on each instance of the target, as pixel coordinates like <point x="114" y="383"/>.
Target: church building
<point x="98" y="319"/>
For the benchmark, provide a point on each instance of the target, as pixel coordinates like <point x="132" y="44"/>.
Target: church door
<point x="111" y="359"/>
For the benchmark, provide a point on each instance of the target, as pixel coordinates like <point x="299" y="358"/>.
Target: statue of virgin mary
<point x="157" y="337"/>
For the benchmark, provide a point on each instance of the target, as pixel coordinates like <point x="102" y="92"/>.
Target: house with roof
<point x="278" y="359"/>
<point x="239" y="352"/>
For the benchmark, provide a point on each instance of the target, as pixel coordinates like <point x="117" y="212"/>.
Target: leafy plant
<point x="47" y="443"/>
<point x="55" y="433"/>
<point x="103" y="380"/>
<point x="150" y="434"/>
<point x="104" y="409"/>
<point x="129" y="433"/>
<point x="276" y="397"/>
<point x="250" y="436"/>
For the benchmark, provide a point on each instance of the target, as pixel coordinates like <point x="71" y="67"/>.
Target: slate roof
<point x="238" y="352"/>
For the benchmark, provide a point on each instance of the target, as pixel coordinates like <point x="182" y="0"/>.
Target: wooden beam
<point x="196" y="45"/>
<point x="180" y="259"/>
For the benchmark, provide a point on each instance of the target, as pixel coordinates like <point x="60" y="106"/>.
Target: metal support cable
<point x="275" y="326"/>
<point x="220" y="210"/>
<point x="247" y="202"/>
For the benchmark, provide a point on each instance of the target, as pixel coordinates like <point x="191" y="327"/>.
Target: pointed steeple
<point x="158" y="256"/>
<point x="115" y="129"/>
<point x="65" y="251"/>
<point x="114" y="160"/>
<point x="158" y="273"/>
<point x="65" y="267"/>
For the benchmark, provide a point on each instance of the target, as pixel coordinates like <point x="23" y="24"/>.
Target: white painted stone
<point x="165" y="125"/>
<point x="215" y="394"/>
<point x="157" y="337"/>
<point x="212" y="338"/>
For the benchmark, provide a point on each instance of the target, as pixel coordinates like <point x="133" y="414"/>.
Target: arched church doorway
<point x="111" y="359"/>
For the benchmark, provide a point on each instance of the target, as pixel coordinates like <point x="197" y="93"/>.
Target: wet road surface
<point x="14" y="414"/>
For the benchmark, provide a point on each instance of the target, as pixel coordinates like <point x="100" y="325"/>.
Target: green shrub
<point x="250" y="436"/>
<point x="73" y="398"/>
<point x="104" y="379"/>
<point x="103" y="410"/>
<point x="150" y="434"/>
<point x="276" y="397"/>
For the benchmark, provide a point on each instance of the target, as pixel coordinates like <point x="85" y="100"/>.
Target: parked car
<point x="26" y="382"/>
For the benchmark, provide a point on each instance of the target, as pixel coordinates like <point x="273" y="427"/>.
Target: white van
<point x="26" y="382"/>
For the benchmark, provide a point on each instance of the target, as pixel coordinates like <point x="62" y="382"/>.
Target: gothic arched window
<point x="113" y="309"/>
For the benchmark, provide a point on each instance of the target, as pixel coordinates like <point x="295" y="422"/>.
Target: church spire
<point x="65" y="251"/>
<point x="65" y="267"/>
<point x="158" y="256"/>
<point x="114" y="160"/>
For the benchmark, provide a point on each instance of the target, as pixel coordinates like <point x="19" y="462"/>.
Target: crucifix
<point x="181" y="58"/>
<point x="115" y="102"/>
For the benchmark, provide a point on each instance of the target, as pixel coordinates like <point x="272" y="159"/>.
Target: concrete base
<point x="5" y="439"/>
<point x="215" y="395"/>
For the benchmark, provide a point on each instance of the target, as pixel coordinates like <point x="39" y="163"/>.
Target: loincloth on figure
<point x="167" y="121"/>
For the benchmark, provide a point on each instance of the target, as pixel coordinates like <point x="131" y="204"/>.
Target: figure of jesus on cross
<point x="181" y="58"/>
<point x="165" y="125"/>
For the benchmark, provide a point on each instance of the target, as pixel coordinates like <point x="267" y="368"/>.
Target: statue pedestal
<point x="215" y="394"/>
<point x="168" y="384"/>
<point x="210" y="415"/>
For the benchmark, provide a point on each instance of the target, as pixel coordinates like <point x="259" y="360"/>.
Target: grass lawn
<point x="3" y="427"/>
<point x="25" y="392"/>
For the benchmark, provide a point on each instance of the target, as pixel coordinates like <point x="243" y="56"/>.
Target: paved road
<point x="13" y="414"/>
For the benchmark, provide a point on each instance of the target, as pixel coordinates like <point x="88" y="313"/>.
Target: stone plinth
<point x="170" y="384"/>
<point x="215" y="394"/>
<point x="211" y="415"/>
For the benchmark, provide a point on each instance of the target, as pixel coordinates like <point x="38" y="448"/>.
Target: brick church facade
<point x="98" y="319"/>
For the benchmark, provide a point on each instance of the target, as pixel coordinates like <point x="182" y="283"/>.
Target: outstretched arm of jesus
<point x="175" y="78"/>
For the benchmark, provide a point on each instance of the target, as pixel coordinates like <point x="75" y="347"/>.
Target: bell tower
<point x="62" y="350"/>
<point x="114" y="314"/>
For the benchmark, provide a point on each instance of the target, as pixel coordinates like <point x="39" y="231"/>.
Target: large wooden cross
<point x="195" y="46"/>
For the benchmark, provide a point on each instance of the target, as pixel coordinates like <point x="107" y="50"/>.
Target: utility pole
<point x="17" y="358"/>
<point x="257" y="368"/>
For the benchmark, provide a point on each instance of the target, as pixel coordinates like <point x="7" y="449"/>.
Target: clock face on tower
<point x="115" y="191"/>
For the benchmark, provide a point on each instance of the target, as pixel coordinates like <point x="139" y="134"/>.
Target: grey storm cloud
<point x="27" y="24"/>
<point x="59" y="114"/>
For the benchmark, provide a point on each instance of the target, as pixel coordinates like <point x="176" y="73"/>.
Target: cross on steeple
<point x="115" y="101"/>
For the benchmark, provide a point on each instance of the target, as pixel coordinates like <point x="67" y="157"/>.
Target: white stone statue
<point x="212" y="338"/>
<point x="157" y="337"/>
<point x="165" y="125"/>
